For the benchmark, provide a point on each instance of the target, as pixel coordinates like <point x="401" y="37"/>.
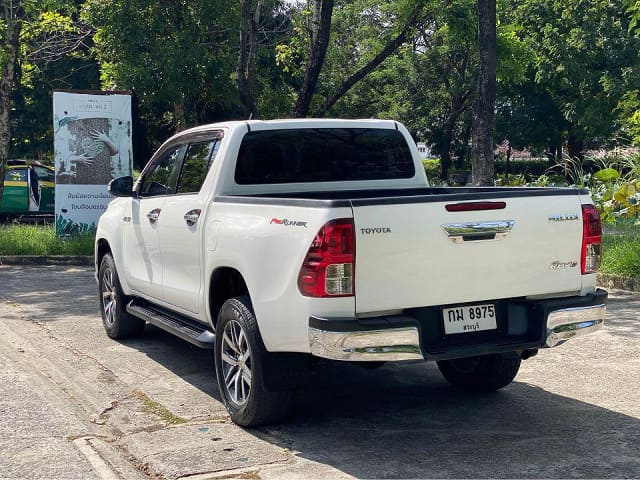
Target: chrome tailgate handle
<point x="153" y="215"/>
<point x="192" y="216"/>
<point x="474" y="231"/>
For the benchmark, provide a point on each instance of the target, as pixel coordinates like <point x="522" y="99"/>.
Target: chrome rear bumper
<point x="374" y="345"/>
<point x="524" y="326"/>
<point x="572" y="322"/>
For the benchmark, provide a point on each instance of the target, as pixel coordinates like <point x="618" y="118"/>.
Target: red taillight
<point x="591" y="240"/>
<point x="328" y="268"/>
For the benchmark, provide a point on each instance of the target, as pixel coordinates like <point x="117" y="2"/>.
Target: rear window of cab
<point x="323" y="155"/>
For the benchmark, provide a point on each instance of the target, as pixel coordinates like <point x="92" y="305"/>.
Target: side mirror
<point x="121" y="187"/>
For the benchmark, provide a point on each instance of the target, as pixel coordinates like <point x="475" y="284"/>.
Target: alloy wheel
<point x="236" y="362"/>
<point x="109" y="297"/>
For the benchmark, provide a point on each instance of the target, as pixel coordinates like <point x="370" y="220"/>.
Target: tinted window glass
<point x="15" y="175"/>
<point x="163" y="176"/>
<point x="323" y="155"/>
<point x="44" y="174"/>
<point x="196" y="165"/>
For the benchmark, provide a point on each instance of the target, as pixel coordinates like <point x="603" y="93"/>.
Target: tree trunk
<point x="179" y="117"/>
<point x="457" y="108"/>
<point x="12" y="16"/>
<point x="245" y="70"/>
<point x="321" y="29"/>
<point x="575" y="144"/>
<point x="445" y="156"/>
<point x="482" y="162"/>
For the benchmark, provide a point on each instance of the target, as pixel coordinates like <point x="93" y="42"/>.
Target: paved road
<point x="75" y="404"/>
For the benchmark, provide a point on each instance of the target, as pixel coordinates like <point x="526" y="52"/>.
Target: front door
<point x="181" y="229"/>
<point x="141" y="232"/>
<point x="142" y="259"/>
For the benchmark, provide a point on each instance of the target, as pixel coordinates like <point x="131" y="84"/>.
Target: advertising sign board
<point x="92" y="145"/>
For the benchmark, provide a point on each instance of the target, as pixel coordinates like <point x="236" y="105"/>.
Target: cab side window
<point x="44" y="174"/>
<point x="16" y="175"/>
<point x="162" y="179"/>
<point x="197" y="161"/>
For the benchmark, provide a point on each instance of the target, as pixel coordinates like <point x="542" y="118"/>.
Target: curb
<point x="620" y="283"/>
<point x="46" y="260"/>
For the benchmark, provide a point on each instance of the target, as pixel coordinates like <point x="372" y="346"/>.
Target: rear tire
<point x="116" y="321"/>
<point x="486" y="373"/>
<point x="242" y="367"/>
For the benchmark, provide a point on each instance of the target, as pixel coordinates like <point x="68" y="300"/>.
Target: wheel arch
<point x="102" y="248"/>
<point x="224" y="283"/>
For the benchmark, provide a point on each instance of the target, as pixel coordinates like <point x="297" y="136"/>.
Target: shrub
<point x="432" y="168"/>
<point x="530" y="169"/>
<point x="621" y="252"/>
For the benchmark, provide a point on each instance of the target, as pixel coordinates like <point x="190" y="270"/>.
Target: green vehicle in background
<point x="29" y="189"/>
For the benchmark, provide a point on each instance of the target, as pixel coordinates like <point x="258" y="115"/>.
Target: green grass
<point x="18" y="239"/>
<point x="621" y="252"/>
<point x="158" y="409"/>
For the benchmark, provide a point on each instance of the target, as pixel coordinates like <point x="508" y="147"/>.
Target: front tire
<point x="486" y="373"/>
<point x="116" y="321"/>
<point x="242" y="364"/>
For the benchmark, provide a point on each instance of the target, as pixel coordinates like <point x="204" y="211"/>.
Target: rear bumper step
<point x="572" y="322"/>
<point x="382" y="344"/>
<point x="178" y="325"/>
<point x="404" y="337"/>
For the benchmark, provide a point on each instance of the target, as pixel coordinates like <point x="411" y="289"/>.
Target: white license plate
<point x="469" y="318"/>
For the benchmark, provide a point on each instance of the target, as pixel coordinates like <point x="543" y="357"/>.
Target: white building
<point x="424" y="149"/>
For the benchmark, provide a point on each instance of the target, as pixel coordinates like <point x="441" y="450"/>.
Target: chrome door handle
<point x="192" y="216"/>
<point x="153" y="215"/>
<point x="470" y="231"/>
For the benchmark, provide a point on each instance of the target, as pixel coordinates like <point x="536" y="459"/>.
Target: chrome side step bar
<point x="174" y="323"/>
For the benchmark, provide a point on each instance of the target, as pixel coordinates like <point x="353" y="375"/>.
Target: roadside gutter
<point x="46" y="260"/>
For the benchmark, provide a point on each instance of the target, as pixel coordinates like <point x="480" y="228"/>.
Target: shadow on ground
<point x="404" y="421"/>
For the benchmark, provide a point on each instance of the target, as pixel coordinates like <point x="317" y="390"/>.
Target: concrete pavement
<point x="92" y="407"/>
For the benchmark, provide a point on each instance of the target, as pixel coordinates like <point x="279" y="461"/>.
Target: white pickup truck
<point x="276" y="242"/>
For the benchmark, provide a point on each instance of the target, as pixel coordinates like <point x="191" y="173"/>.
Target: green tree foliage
<point x="567" y="71"/>
<point x="178" y="57"/>
<point x="55" y="55"/>
<point x="364" y="35"/>
<point x="583" y="58"/>
<point x="428" y="84"/>
<point x="42" y="47"/>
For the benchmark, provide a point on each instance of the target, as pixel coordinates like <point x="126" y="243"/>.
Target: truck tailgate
<point x="412" y="252"/>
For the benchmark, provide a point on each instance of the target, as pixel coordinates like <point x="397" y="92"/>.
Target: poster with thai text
<point x="92" y="145"/>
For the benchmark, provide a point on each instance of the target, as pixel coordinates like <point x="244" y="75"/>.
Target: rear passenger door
<point x="180" y="228"/>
